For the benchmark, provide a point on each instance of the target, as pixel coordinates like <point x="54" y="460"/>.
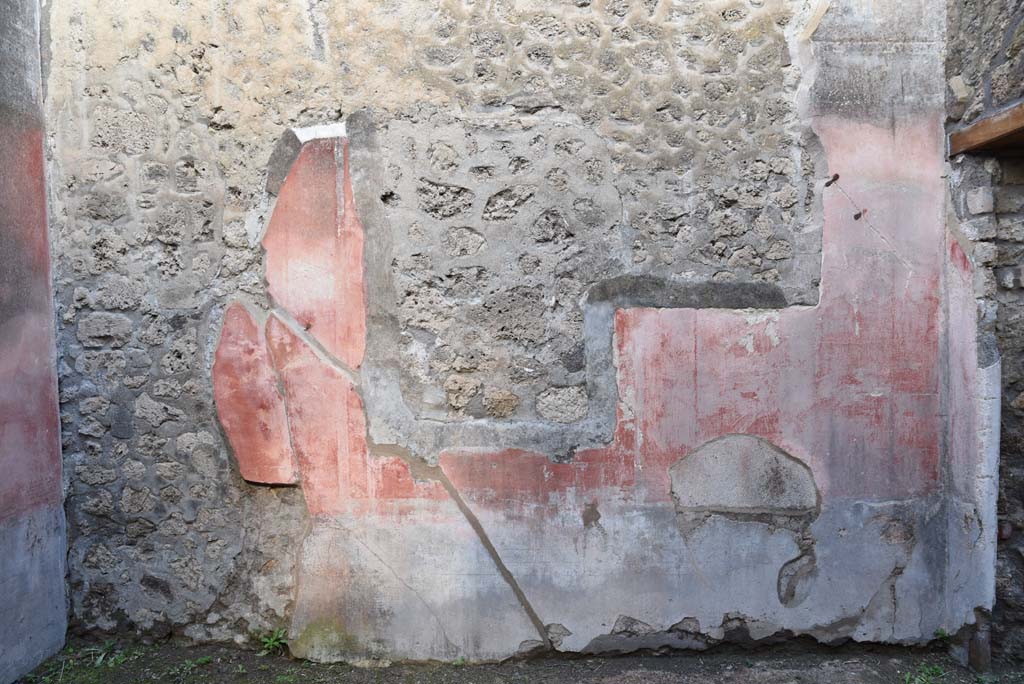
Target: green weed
<point x="273" y="643"/>
<point x="926" y="674"/>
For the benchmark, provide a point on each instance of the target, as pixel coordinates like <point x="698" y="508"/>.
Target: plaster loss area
<point x="501" y="227"/>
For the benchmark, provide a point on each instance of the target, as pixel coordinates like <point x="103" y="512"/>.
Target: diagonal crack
<point x="423" y="471"/>
<point x="506" y="574"/>
<point x="408" y="586"/>
<point x="284" y="316"/>
<point x="862" y="213"/>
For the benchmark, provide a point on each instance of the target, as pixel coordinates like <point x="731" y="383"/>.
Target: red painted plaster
<point x="250" y="407"/>
<point x="314" y="247"/>
<point x="29" y="427"/>
<point x="329" y="433"/>
<point x="965" y="445"/>
<point x="850" y="386"/>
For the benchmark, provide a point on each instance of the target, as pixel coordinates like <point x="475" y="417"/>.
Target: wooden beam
<point x="997" y="132"/>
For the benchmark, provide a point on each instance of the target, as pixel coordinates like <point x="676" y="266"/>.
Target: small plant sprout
<point x="925" y="674"/>
<point x="273" y="643"/>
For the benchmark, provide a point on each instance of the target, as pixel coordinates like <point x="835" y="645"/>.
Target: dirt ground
<point x="117" y="662"/>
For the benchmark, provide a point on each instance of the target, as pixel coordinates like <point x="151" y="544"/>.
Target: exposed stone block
<point x="104" y="329"/>
<point x="981" y="201"/>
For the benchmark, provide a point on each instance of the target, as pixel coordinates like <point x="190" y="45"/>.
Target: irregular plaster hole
<point x="793" y="585"/>
<point x="591" y="516"/>
<point x="743" y="475"/>
<point x="749" y="480"/>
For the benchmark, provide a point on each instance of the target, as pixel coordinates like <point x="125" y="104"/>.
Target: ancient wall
<point x="32" y="532"/>
<point x="985" y="73"/>
<point x="525" y="308"/>
<point x="653" y="139"/>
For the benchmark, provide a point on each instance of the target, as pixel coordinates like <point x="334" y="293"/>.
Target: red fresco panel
<point x="314" y="250"/>
<point x="850" y="385"/>
<point x="29" y="428"/>
<point x="326" y="417"/>
<point x="329" y="434"/>
<point x="249" y="405"/>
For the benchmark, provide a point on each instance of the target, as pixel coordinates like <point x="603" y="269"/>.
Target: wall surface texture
<point x="986" y="74"/>
<point x="587" y="326"/>
<point x="33" y="611"/>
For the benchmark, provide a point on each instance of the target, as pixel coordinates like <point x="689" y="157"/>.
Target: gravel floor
<point x="113" y="662"/>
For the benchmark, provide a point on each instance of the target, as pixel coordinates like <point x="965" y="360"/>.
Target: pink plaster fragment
<point x="314" y="250"/>
<point x="328" y="425"/>
<point x="249" y="406"/>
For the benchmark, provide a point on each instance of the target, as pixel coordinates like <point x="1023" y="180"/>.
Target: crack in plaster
<point x="404" y="583"/>
<point x="503" y="569"/>
<point x="421" y="470"/>
<point x="862" y="213"/>
<point x="318" y="349"/>
<point x="812" y="25"/>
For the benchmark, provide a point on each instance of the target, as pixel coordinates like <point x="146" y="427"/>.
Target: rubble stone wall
<point x="503" y="297"/>
<point x="531" y="151"/>
<point x="985" y="72"/>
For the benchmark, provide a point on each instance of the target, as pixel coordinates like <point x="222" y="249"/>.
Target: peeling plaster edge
<point x="836" y="632"/>
<point x="988" y="390"/>
<point x="815" y="20"/>
<point x="259" y="319"/>
<point x="290" y="145"/>
<point x="320" y="132"/>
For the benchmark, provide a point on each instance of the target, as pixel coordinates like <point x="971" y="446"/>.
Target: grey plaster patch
<point x="32" y="563"/>
<point x="743" y="474"/>
<point x="747" y="479"/>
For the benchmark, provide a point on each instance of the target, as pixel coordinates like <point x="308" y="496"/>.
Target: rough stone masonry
<point x="551" y="323"/>
<point x="985" y="71"/>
